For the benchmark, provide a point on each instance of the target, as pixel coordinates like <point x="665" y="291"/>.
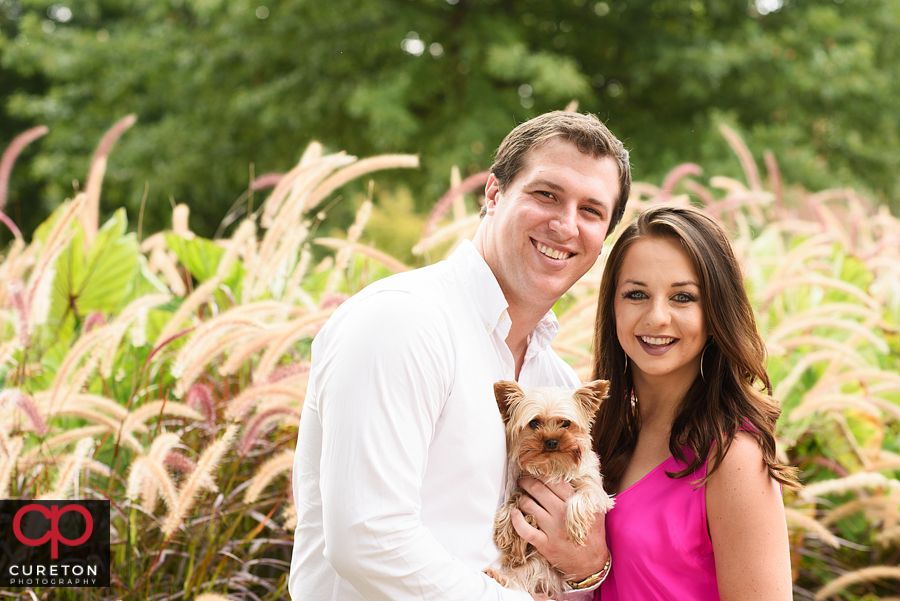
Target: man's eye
<point x="534" y="424"/>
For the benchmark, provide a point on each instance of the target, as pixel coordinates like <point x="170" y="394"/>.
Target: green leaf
<point x="201" y="257"/>
<point x="101" y="279"/>
<point x="42" y="232"/>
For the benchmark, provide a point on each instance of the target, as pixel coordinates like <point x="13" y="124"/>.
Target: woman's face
<point x="659" y="317"/>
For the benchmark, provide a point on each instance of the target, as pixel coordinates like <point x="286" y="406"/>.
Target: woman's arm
<point x="745" y="515"/>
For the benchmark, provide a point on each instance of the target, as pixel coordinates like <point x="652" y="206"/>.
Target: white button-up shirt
<point x="401" y="452"/>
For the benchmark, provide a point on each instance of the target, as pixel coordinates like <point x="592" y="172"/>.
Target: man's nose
<point x="565" y="223"/>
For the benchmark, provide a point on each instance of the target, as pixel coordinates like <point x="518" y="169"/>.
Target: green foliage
<point x="394" y="227"/>
<point x="100" y="279"/>
<point x="201" y="257"/>
<point x="220" y="86"/>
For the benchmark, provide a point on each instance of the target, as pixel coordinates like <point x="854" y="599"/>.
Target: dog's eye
<point x="534" y="424"/>
<point x="566" y="424"/>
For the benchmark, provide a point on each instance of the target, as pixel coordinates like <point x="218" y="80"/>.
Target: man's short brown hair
<point x="584" y="130"/>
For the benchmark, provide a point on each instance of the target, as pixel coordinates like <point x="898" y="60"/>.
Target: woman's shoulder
<point x="744" y="447"/>
<point x="743" y="468"/>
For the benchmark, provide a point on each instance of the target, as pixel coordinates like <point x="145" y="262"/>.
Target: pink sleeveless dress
<point x="659" y="541"/>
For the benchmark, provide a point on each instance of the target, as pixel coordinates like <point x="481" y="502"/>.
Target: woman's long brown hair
<point x="734" y="392"/>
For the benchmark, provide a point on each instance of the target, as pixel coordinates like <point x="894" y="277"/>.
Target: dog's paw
<point x="520" y="553"/>
<point x="604" y="502"/>
<point x="504" y="533"/>
<point x="580" y="510"/>
<point x="499" y="576"/>
<point x="577" y="531"/>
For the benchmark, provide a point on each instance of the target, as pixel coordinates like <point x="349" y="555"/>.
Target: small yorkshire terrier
<point x="548" y="436"/>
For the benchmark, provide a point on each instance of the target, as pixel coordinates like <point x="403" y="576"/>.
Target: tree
<point x="220" y="86"/>
<point x="12" y="81"/>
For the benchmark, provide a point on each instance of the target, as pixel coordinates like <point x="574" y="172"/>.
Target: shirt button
<point x="503" y="317"/>
<point x="506" y="369"/>
<point x="487" y="328"/>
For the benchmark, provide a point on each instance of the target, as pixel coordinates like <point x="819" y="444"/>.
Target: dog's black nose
<point x="551" y="444"/>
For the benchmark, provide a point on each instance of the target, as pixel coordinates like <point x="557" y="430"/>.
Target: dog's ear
<point x="506" y="392"/>
<point x="592" y="394"/>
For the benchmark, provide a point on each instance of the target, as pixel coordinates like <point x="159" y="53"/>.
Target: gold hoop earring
<point x="625" y="371"/>
<point x="701" y="362"/>
<point x="706" y="346"/>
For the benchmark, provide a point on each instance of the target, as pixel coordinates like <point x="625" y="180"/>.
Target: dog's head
<point x="548" y="430"/>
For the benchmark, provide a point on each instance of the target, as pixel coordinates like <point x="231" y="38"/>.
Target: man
<point x="401" y="452"/>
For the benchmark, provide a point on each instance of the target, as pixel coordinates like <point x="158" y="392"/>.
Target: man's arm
<point x="382" y="380"/>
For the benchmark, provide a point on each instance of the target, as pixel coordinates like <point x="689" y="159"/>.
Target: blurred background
<point x="142" y="362"/>
<point x="227" y="90"/>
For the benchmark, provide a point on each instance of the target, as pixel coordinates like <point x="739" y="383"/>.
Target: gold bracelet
<point x="593" y="579"/>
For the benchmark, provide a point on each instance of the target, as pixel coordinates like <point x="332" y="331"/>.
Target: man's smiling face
<point x="547" y="228"/>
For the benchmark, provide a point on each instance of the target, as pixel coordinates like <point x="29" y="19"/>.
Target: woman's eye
<point x="684" y="297"/>
<point x="534" y="424"/>
<point x="634" y="295"/>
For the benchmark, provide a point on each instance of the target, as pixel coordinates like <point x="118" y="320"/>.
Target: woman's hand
<point x="547" y="505"/>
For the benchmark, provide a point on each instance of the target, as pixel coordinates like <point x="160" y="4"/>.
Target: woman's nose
<point x="658" y="313"/>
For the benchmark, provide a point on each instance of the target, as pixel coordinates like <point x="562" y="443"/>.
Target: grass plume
<point x="863" y="575"/>
<point x="207" y="462"/>
<point x="267" y="472"/>
<point x="90" y="212"/>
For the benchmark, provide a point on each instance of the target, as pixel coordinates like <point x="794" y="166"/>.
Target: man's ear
<point x="507" y="392"/>
<point x="491" y="194"/>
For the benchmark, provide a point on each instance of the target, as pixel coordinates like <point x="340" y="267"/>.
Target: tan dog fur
<point x="532" y="419"/>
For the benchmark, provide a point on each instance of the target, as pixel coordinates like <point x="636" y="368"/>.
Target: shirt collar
<point x="491" y="305"/>
<point x="542" y="335"/>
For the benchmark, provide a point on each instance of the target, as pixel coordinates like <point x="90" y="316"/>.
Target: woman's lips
<point x="656" y="349"/>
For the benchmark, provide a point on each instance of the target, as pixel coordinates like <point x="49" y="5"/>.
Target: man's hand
<point x="547" y="505"/>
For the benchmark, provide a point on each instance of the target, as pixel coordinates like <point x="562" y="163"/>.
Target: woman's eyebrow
<point x="674" y="284"/>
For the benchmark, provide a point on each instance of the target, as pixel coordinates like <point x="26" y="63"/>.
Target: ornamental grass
<point x="167" y="374"/>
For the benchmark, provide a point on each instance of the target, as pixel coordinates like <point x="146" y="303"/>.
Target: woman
<point x="686" y="437"/>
